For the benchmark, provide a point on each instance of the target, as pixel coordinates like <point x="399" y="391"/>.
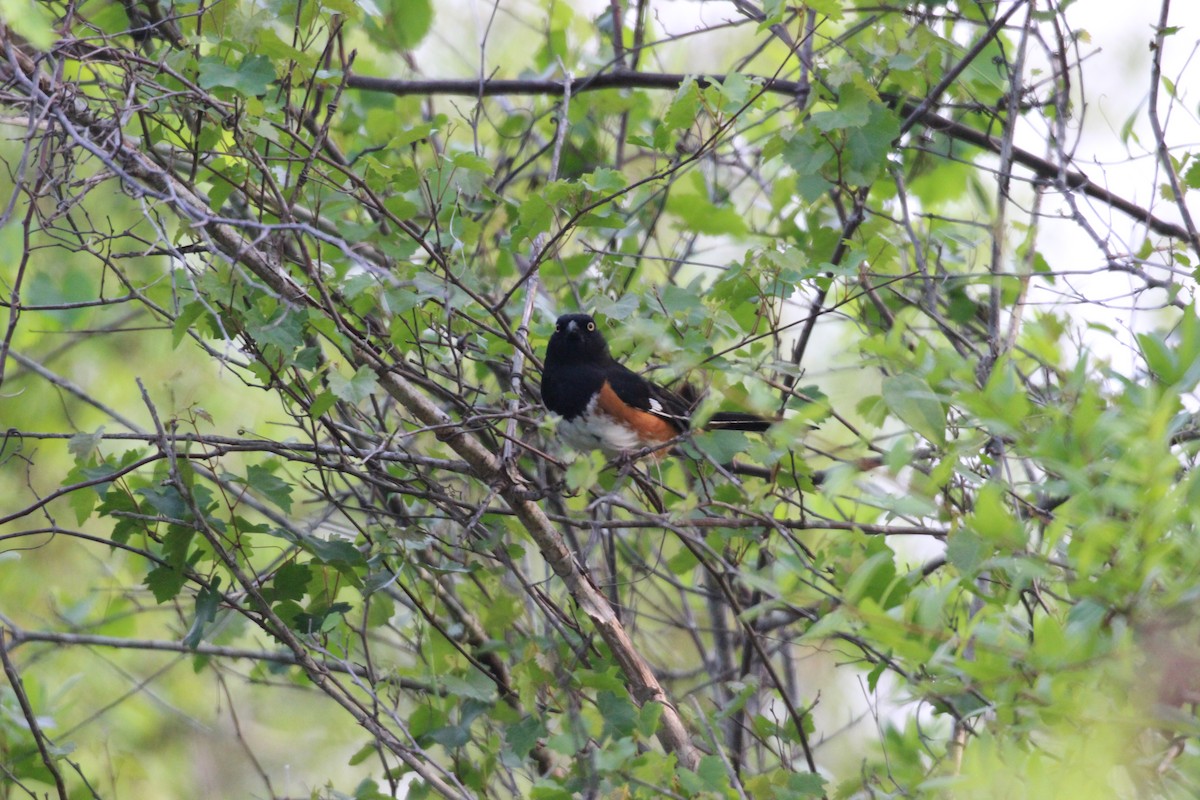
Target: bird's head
<point x="576" y="338"/>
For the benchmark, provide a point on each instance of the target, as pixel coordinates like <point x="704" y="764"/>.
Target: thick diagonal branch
<point x="140" y="175"/>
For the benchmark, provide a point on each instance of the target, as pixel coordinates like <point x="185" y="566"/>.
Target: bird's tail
<point x="737" y="421"/>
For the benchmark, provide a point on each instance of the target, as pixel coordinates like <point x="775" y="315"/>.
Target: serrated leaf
<point x="252" y="77"/>
<point x="183" y="322"/>
<point x="334" y="553"/>
<point x="208" y="600"/>
<point x="290" y="582"/>
<point x="966" y="551"/>
<point x="476" y="686"/>
<point x="913" y="402"/>
<point x="270" y="486"/>
<point x="405" y="23"/>
<point x="363" y="753"/>
<point x="472" y="163"/>
<point x="82" y="445"/>
<point x="721" y="446"/>
<point x="1191" y="176"/>
<point x="683" y="109"/>
<point x="322" y="617"/>
<point x="804" y="784"/>
<point x="604" y="180"/>
<point x="165" y="583"/>
<point x="619" y="713"/>
<point x="166" y="500"/>
<point x="521" y="737"/>
<point x="322" y="403"/>
<point x="874" y="579"/>
<point x="356" y="388"/>
<point x="712" y="773"/>
<point x="735" y="90"/>
<point x="648" y="718"/>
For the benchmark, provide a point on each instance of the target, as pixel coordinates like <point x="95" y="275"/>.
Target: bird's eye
<point x="591" y="326"/>
<point x="557" y="328"/>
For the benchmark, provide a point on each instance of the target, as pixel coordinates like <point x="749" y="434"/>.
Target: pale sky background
<point x="1117" y="84"/>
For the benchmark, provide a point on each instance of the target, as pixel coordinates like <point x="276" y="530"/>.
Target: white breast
<point x="595" y="430"/>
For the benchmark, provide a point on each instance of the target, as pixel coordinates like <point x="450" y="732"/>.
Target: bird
<point x="606" y="406"/>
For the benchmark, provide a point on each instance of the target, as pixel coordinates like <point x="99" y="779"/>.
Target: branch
<point x="140" y="175"/>
<point x="1043" y="169"/>
<point x="1160" y="134"/>
<point x="20" y="637"/>
<point x="31" y="720"/>
<point x="644" y="685"/>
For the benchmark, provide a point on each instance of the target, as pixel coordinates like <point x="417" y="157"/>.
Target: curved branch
<point x="1040" y="167"/>
<point x="140" y="175"/>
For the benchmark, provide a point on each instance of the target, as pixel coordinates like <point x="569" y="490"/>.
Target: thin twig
<point x="31" y="717"/>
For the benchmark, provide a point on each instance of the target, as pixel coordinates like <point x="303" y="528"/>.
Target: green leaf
<point x="475" y="686"/>
<point x="868" y="145"/>
<point x="701" y="215"/>
<point x="604" y="180"/>
<point x="875" y="579"/>
<point x="683" y="109"/>
<point x="712" y="773"/>
<point x="913" y="402"/>
<point x="1191" y="177"/>
<point x="682" y="562"/>
<point x="403" y="25"/>
<point x="966" y="551"/>
<point x="852" y="111"/>
<point x="277" y="325"/>
<point x="183" y="322"/>
<point x="619" y="714"/>
<point x="735" y="91"/>
<point x="648" y="718"/>
<point x="33" y="21"/>
<point x="290" y="582"/>
<point x="82" y="502"/>
<point x="319" y="618"/>
<point x="165" y="583"/>
<point x="82" y="445"/>
<point x="721" y="446"/>
<point x="471" y="162"/>
<point x="994" y="522"/>
<point x="584" y="471"/>
<point x="334" y="552"/>
<point x="710" y="776"/>
<point x="407" y="136"/>
<point x="803" y="784"/>
<point x="270" y="486"/>
<point x="208" y="599"/>
<point x="368" y="750"/>
<point x="166" y="500"/>
<point x="322" y="403"/>
<point x="521" y="737"/>
<point x="356" y="388"/>
<point x="252" y="77"/>
<point x="368" y="789"/>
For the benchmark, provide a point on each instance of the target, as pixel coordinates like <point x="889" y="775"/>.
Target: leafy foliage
<point x="269" y="379"/>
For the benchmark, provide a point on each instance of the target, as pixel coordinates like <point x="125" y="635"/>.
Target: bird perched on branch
<point x="608" y="407"/>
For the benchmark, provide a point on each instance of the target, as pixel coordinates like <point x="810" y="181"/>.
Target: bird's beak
<point x="572" y="326"/>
